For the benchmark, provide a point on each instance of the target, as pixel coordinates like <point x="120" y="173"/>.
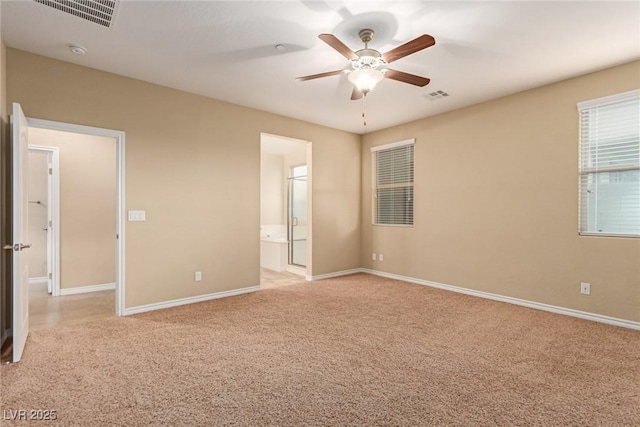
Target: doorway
<point x="86" y="235"/>
<point x="21" y="127"/>
<point x="43" y="216"/>
<point x="285" y="207"/>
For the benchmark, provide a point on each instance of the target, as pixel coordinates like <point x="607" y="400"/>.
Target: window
<point x="610" y="165"/>
<point x="393" y="183"/>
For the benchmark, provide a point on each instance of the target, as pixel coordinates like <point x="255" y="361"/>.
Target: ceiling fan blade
<point x="317" y="76"/>
<point x="356" y="94"/>
<point x="422" y="42"/>
<point x="406" y="78"/>
<point x="333" y="41"/>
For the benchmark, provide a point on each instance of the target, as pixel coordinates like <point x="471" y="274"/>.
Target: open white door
<point x="20" y="158"/>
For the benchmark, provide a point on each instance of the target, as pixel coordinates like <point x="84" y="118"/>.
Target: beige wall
<point x="87" y="206"/>
<point x="193" y="164"/>
<point x="38" y="213"/>
<point x="496" y="189"/>
<point x="272" y="196"/>
<point x="496" y="203"/>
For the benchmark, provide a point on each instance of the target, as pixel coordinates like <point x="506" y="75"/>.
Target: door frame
<point x="53" y="248"/>
<point x="119" y="137"/>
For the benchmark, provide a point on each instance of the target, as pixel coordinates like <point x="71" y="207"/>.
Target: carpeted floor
<point x="357" y="350"/>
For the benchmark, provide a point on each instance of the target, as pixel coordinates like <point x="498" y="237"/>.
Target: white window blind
<point x="393" y="183"/>
<point x="610" y="165"/>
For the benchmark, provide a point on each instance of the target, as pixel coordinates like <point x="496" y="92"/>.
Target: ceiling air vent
<point x="99" y="12"/>
<point x="439" y="94"/>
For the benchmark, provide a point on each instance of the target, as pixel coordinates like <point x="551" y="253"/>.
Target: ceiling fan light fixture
<point x="365" y="79"/>
<point x="368" y="66"/>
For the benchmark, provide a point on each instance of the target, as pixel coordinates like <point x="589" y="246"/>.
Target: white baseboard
<point x="189" y="300"/>
<point x="37" y="280"/>
<point x="300" y="271"/>
<point x="85" y="289"/>
<point x="334" y="274"/>
<point x="517" y="301"/>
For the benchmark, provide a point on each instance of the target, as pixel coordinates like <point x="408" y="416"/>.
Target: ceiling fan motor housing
<point x="367" y="58"/>
<point x="366" y="35"/>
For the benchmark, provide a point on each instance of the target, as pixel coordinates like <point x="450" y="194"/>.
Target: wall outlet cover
<point x="585" y="288"/>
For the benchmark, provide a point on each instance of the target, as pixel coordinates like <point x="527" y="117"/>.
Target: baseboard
<point x="189" y="300"/>
<point x="334" y="274"/>
<point x="86" y="289"/>
<point x="517" y="301"/>
<point x="300" y="271"/>
<point x="37" y="280"/>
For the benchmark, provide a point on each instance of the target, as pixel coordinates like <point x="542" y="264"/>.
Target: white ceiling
<point x="226" y="49"/>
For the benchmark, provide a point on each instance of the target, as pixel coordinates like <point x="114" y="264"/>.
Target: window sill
<point x="587" y="234"/>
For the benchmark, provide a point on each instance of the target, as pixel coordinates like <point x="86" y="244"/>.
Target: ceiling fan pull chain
<point x="364" y="107"/>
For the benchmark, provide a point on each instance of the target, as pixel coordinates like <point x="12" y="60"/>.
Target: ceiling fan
<point x="368" y="66"/>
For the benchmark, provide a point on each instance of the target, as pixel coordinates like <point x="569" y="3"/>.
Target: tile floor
<point x="46" y="311"/>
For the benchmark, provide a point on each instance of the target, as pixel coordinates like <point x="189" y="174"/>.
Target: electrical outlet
<point x="585" y="288"/>
<point x="198" y="276"/>
<point x="381" y="257"/>
<point x="373" y="256"/>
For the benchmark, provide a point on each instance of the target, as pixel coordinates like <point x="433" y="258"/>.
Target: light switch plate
<point x="137" y="215"/>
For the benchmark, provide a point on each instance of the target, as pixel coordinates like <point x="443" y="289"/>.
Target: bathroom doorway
<point x="285" y="220"/>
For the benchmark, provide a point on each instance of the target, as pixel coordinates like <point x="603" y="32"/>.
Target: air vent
<point x="439" y="94"/>
<point x="99" y="12"/>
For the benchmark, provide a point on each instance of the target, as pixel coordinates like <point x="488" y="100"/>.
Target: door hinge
<point x="50" y="223"/>
<point x="50" y="276"/>
<point x="50" y="171"/>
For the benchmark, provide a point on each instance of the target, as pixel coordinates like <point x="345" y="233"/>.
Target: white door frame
<point x="53" y="247"/>
<point x="119" y="136"/>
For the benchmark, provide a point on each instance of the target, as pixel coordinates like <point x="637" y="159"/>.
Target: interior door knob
<point x="16" y="247"/>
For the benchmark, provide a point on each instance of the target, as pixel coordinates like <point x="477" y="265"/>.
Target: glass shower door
<point x="297" y="216"/>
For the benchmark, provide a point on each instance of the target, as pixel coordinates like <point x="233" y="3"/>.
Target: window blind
<point x="393" y="180"/>
<point x="610" y="165"/>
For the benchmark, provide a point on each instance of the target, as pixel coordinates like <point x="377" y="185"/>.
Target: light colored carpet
<point x="357" y="350"/>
